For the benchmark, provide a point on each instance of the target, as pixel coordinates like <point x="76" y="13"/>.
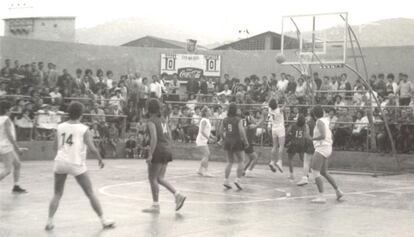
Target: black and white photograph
<point x="206" y="118"/>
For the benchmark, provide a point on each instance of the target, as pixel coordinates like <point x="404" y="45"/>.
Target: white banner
<point x="190" y="66"/>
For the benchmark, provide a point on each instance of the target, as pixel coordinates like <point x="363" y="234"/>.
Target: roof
<point x="156" y="42"/>
<point x="246" y="40"/>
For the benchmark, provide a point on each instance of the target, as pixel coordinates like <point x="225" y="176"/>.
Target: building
<point x="266" y="41"/>
<point x="156" y="42"/>
<point x="41" y="28"/>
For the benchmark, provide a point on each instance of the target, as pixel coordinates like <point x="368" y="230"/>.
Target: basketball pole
<point x="387" y="128"/>
<point x="352" y="36"/>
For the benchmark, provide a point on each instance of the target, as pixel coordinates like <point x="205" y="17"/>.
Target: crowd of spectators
<point x="36" y="89"/>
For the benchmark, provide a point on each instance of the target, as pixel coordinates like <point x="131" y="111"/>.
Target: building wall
<point x="147" y="60"/>
<point x="53" y="29"/>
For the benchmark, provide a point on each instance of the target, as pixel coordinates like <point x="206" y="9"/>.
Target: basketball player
<point x="309" y="151"/>
<point x="159" y="156"/>
<point x="251" y="125"/>
<point x="9" y="149"/>
<point x="234" y="142"/>
<point x="203" y="137"/>
<point x="277" y="121"/>
<point x="322" y="141"/>
<point x="300" y="143"/>
<point x="72" y="141"/>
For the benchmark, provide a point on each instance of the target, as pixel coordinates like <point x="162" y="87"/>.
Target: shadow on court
<point x="269" y="205"/>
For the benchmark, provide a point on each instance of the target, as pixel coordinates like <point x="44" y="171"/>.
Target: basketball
<point x="280" y="58"/>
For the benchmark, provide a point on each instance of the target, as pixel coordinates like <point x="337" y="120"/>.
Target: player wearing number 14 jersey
<point x="72" y="141"/>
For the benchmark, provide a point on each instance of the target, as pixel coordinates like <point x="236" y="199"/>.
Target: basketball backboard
<point x="315" y="39"/>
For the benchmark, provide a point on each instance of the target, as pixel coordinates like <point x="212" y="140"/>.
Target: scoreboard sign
<point x="191" y="66"/>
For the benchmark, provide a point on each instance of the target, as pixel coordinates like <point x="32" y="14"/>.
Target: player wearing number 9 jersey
<point x="72" y="141"/>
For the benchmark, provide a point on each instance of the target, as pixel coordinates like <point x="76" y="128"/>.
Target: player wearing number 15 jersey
<point x="72" y="141"/>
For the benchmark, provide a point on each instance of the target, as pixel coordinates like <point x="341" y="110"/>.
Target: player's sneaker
<point x="248" y="174"/>
<point x="319" y="199"/>
<point x="208" y="175"/>
<point x="179" y="201"/>
<point x="303" y="181"/>
<point x="106" y="223"/>
<point x="49" y="226"/>
<point x="200" y="172"/>
<point x="291" y="178"/>
<point x="279" y="166"/>
<point x="238" y="185"/>
<point x="226" y="184"/>
<point x="18" y="189"/>
<point x="153" y="209"/>
<point x="339" y="194"/>
<point x="272" y="167"/>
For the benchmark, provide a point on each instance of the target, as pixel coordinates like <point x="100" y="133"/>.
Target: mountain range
<point x="387" y="32"/>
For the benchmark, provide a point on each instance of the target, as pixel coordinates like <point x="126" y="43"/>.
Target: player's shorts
<point x="161" y="157"/>
<point x="278" y="132"/>
<point x="295" y="147"/>
<point x="249" y="149"/>
<point x="325" y="151"/>
<point x="63" y="167"/>
<point x="233" y="146"/>
<point x="309" y="148"/>
<point x="9" y="156"/>
<point x="203" y="151"/>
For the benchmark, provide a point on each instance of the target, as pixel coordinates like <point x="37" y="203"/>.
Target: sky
<point x="220" y="19"/>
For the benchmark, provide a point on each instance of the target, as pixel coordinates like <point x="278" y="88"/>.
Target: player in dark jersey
<point x="159" y="156"/>
<point x="307" y="158"/>
<point x="300" y="142"/>
<point x="251" y="125"/>
<point x="235" y="140"/>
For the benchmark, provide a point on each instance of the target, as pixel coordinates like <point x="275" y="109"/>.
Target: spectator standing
<point x="6" y="70"/>
<point x="381" y="86"/>
<point x="360" y="130"/>
<point x="282" y="83"/>
<point x="373" y="82"/>
<point x="317" y="80"/>
<point x="77" y="81"/>
<point x="300" y="91"/>
<point x="3" y="90"/>
<point x="155" y="88"/>
<point x="391" y="86"/>
<point x="88" y="83"/>
<point x="109" y="79"/>
<point x="406" y="90"/>
<point x="52" y="75"/>
<point x="193" y="87"/>
<point x="56" y="96"/>
<point x="203" y="86"/>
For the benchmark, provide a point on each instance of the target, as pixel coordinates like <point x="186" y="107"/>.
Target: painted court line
<point x="104" y="190"/>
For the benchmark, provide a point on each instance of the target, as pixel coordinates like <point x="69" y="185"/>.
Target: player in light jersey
<point x="72" y="141"/>
<point x="277" y="120"/>
<point x="234" y="142"/>
<point x="9" y="148"/>
<point x="203" y="137"/>
<point x="322" y="141"/>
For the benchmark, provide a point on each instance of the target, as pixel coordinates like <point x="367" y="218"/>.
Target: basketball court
<point x="269" y="205"/>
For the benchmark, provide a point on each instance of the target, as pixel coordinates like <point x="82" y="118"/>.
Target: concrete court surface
<point x="382" y="206"/>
